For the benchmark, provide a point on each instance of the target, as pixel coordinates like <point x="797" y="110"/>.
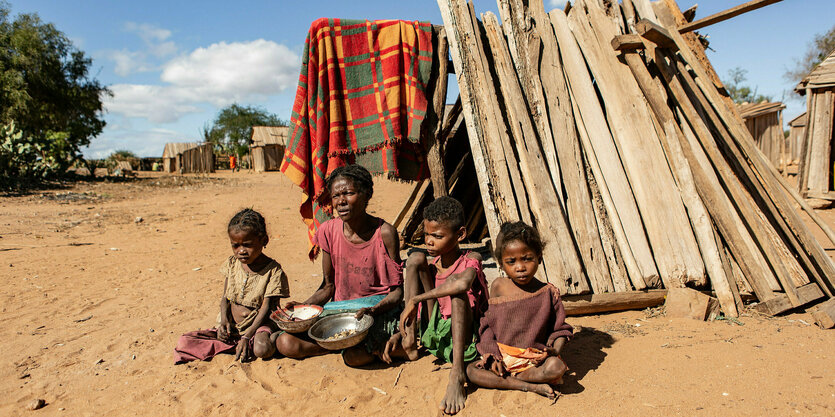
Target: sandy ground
<point x="93" y="302"/>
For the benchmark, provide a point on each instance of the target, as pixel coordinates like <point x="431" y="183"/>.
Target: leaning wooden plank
<point x="644" y="10"/>
<point x="614" y="257"/>
<point x="804" y="244"/>
<point x="671" y="140"/>
<point x="718" y="203"/>
<point x="544" y="202"/>
<point x="780" y="304"/>
<point x="726" y="14"/>
<point x="824" y="314"/>
<point x="504" y="149"/>
<point x="803" y="166"/>
<point x="670" y="16"/>
<point x="524" y="46"/>
<point x="578" y="305"/>
<point x="659" y="201"/>
<point x="604" y="160"/>
<point x="462" y="45"/>
<point x="409" y="206"/>
<point x="561" y="120"/>
<point x="766" y="193"/>
<point x="435" y="117"/>
<point x="820" y="145"/>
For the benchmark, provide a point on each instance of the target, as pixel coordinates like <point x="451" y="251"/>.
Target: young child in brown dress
<point x="523" y="331"/>
<point x="253" y="285"/>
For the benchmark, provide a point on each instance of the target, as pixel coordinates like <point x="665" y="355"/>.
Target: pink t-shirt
<point x="477" y="293"/>
<point x="360" y="270"/>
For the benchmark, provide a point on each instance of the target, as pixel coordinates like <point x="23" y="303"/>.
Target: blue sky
<point x="173" y="64"/>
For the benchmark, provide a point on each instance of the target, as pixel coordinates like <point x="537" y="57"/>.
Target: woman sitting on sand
<point x="360" y="268"/>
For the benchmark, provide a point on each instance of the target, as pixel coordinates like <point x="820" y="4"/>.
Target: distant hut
<point x="815" y="169"/>
<point x="765" y="122"/>
<point x="267" y="148"/>
<point x="797" y="131"/>
<point x="188" y="158"/>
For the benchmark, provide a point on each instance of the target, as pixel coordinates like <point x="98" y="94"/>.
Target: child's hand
<point x="497" y="366"/>
<point x="408" y="315"/>
<point x="242" y="352"/>
<point x="391" y="345"/>
<point x="224" y="331"/>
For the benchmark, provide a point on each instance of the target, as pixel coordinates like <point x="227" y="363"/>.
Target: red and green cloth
<point x="361" y="99"/>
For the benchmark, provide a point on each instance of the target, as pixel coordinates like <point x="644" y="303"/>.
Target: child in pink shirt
<point x="455" y="291"/>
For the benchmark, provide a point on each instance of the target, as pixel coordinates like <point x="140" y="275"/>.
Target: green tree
<point x="231" y="130"/>
<point x="46" y="90"/>
<point x="739" y="92"/>
<point x="821" y="46"/>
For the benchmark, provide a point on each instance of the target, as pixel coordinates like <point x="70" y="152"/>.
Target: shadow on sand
<point x="584" y="353"/>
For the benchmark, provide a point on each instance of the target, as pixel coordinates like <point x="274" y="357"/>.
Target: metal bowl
<point x="331" y="325"/>
<point x="296" y="319"/>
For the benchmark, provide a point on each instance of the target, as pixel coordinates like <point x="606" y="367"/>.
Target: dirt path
<point x="93" y="302"/>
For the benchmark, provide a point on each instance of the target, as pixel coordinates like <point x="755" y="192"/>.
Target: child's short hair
<point x="445" y="210"/>
<point x="249" y="220"/>
<point x="522" y="232"/>
<point x="357" y="174"/>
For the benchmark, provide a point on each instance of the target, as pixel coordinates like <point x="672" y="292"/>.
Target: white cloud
<point x="143" y="143"/>
<point x="149" y="33"/>
<point x="155" y="45"/>
<point x="220" y="74"/>
<point x="559" y="4"/>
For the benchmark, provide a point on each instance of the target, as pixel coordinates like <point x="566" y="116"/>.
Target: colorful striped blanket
<point x="361" y="99"/>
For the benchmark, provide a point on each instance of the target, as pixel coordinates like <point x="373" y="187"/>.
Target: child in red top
<point x="523" y="331"/>
<point x="455" y="291"/>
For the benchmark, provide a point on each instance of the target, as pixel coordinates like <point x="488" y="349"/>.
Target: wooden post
<point x="435" y="117"/>
<point x="726" y="14"/>
<point x="578" y="305"/>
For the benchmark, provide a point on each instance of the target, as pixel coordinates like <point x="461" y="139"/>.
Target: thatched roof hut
<point x="815" y="170"/>
<point x="185" y="157"/>
<point x="267" y="147"/>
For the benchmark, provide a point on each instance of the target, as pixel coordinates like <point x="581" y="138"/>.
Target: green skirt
<point x="437" y="338"/>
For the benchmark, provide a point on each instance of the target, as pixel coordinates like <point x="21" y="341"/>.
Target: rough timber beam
<point x="725" y="15"/>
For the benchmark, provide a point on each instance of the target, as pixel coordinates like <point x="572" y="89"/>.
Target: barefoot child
<point x="361" y="269"/>
<point x="253" y="285"/>
<point x="524" y="330"/>
<point x="455" y="291"/>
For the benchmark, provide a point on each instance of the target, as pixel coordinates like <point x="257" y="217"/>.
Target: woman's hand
<point x="242" y="352"/>
<point x="363" y="311"/>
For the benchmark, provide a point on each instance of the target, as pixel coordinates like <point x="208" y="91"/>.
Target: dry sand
<point x="93" y="303"/>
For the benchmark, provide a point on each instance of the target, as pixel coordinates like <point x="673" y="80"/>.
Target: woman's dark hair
<point x="357" y="174"/>
<point x="522" y="232"/>
<point x="445" y="210"/>
<point x="249" y="220"/>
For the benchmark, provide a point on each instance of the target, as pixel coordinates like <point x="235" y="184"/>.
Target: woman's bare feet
<point x="456" y="396"/>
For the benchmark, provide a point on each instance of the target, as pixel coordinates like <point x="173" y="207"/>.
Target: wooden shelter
<point x="187" y="158"/>
<point x="765" y="122"/>
<point x="797" y="131"/>
<point x="815" y="178"/>
<point x="267" y="147"/>
<point x="605" y="127"/>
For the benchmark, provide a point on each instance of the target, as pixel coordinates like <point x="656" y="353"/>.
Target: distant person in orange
<point x="233" y="163"/>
